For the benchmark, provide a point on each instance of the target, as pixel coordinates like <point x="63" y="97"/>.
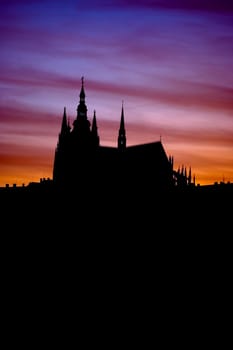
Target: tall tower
<point x="81" y="125"/>
<point x="65" y="129"/>
<point x="122" y="134"/>
<point x="94" y="132"/>
<point x="62" y="150"/>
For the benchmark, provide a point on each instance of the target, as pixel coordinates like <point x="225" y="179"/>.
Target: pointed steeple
<point x="94" y="124"/>
<point x="81" y="125"/>
<point x="82" y="92"/>
<point x="94" y="131"/>
<point x="82" y="108"/>
<point x="61" y="148"/>
<point x="64" y="125"/>
<point x="122" y="134"/>
<point x="65" y="128"/>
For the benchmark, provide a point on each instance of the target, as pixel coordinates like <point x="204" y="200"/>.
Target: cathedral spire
<point x="82" y="92"/>
<point x="82" y="108"/>
<point x="94" y="131"/>
<point x="81" y="123"/>
<point x="64" y="125"/>
<point x="61" y="148"/>
<point x="65" y="128"/>
<point x="122" y="134"/>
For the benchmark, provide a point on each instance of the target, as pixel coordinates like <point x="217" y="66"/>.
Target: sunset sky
<point x="170" y="61"/>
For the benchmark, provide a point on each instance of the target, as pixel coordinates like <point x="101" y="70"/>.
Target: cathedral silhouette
<point x="81" y="160"/>
<point x="98" y="184"/>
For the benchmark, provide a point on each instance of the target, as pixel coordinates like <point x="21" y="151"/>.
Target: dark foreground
<point x="162" y="257"/>
<point x="110" y="220"/>
<point x="122" y="209"/>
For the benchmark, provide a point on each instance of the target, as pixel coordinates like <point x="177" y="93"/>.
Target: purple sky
<point x="170" y="61"/>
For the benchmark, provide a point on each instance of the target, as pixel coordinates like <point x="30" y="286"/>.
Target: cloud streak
<point x="177" y="93"/>
<point x="23" y="120"/>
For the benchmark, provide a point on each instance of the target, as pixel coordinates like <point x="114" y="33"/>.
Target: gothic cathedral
<point x="80" y="160"/>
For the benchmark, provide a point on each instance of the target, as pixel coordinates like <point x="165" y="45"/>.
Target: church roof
<point x="144" y="150"/>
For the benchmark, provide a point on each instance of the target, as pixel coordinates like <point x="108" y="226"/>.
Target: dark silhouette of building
<point x="80" y="159"/>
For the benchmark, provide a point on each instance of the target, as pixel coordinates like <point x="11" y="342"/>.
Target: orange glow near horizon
<point x="29" y="163"/>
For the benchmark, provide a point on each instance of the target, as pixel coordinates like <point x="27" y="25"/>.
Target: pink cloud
<point x="181" y="94"/>
<point x="174" y="92"/>
<point x="23" y="120"/>
<point x="140" y="133"/>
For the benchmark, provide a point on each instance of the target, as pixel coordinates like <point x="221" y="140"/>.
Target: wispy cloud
<point x="23" y="120"/>
<point x="180" y="93"/>
<point x="183" y="94"/>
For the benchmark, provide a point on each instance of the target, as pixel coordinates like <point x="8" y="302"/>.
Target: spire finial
<point x="82" y="80"/>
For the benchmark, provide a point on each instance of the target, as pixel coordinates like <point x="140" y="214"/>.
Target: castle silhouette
<point x="81" y="159"/>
